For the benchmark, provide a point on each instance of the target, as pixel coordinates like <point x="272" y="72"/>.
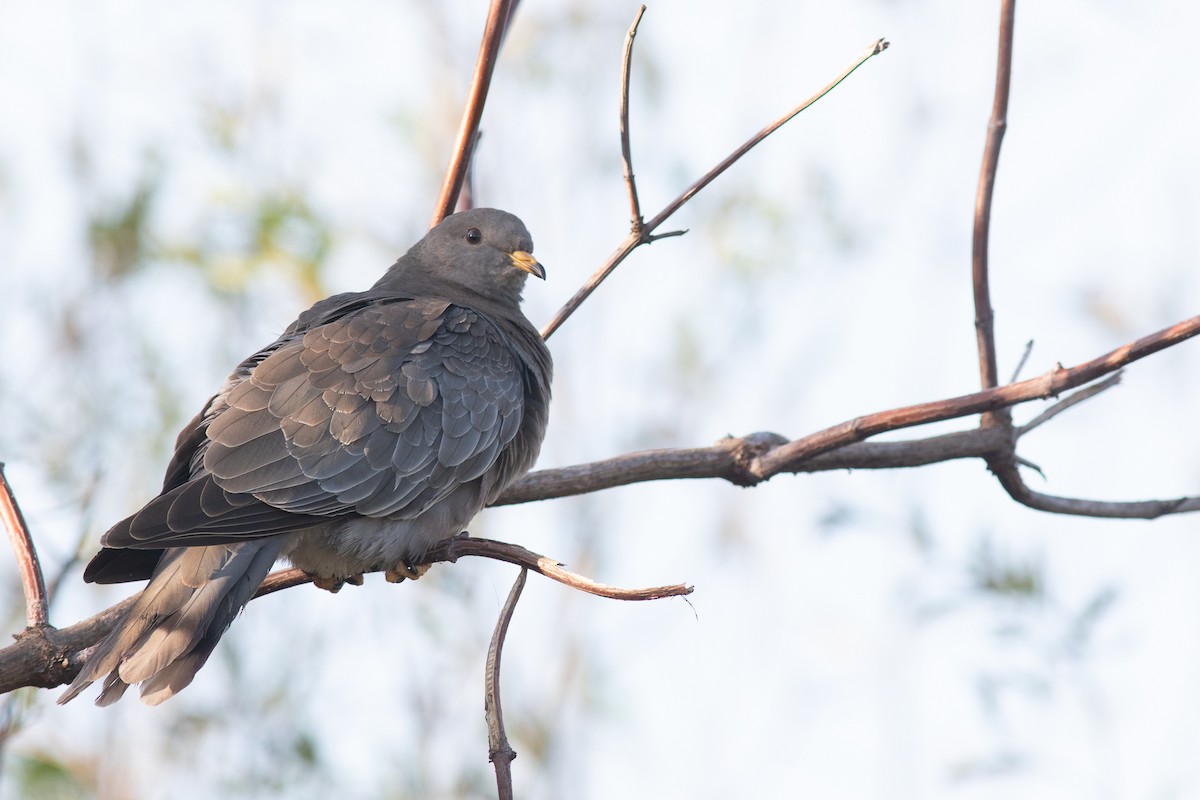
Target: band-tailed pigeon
<point x="378" y="424"/>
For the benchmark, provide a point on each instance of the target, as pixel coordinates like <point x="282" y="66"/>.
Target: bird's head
<point x="485" y="251"/>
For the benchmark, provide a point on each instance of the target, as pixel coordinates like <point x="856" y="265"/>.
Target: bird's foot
<point x="402" y="571"/>
<point x="334" y="585"/>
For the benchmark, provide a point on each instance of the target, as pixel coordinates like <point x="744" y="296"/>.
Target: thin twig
<point x="1070" y="400"/>
<point x="33" y="583"/>
<point x="635" y="208"/>
<point x="646" y="233"/>
<point x="459" y="546"/>
<point x="500" y="753"/>
<point x="499" y="15"/>
<point x="984" y="328"/>
<point x="453" y="549"/>
<point x="1028" y="351"/>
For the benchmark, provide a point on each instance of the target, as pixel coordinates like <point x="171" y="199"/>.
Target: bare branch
<point x="500" y="753"/>
<point x="453" y="549"/>
<point x="47" y="657"/>
<point x="643" y="235"/>
<point x="635" y="208"/>
<point x="33" y="583"/>
<point x="984" y="330"/>
<point x="1051" y="384"/>
<point x="1139" y="509"/>
<point x="466" y="196"/>
<point x="875" y="49"/>
<point x="1069" y="401"/>
<point x="1028" y="351"/>
<point x="460" y="157"/>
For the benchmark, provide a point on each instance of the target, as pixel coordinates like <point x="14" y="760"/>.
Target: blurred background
<point x="178" y="182"/>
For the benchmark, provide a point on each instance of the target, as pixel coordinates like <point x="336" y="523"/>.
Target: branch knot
<point x="745" y="451"/>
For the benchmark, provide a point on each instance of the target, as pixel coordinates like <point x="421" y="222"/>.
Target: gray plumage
<point x="377" y="425"/>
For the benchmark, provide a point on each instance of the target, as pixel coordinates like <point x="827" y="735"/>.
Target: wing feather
<point x="381" y="410"/>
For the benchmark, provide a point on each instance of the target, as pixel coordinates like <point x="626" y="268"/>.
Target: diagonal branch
<point x="33" y="583"/>
<point x="644" y="234"/>
<point x="1067" y="402"/>
<point x="499" y="15"/>
<point x="1051" y="384"/>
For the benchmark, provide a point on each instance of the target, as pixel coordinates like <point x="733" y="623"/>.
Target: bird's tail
<point x="169" y="632"/>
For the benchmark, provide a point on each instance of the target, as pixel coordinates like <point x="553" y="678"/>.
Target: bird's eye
<point x="474" y="236"/>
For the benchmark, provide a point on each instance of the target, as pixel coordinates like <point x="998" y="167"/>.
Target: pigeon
<point x="379" y="424"/>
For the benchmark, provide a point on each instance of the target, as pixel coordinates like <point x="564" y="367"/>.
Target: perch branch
<point x="33" y="583"/>
<point x="644" y="234"/>
<point x="726" y="460"/>
<point x="48" y="657"/>
<point x="460" y="157"/>
<point x="453" y="549"/>
<point x="500" y="753"/>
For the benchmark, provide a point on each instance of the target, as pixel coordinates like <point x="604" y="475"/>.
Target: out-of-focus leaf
<point x="119" y="235"/>
<point x="43" y="777"/>
<point x="1003" y="575"/>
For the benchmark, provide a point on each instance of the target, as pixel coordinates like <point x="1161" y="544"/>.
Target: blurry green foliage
<point x="41" y="776"/>
<point x="244" y="236"/>
<point x="118" y="234"/>
<point x="998" y="573"/>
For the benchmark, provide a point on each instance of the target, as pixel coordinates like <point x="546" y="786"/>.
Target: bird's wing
<point x="382" y="412"/>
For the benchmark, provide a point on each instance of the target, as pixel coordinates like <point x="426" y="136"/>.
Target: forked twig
<point x="644" y="234"/>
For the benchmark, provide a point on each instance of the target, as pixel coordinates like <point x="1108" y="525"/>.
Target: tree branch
<point x="499" y="15"/>
<point x="635" y="207"/>
<point x="1051" y="384"/>
<point x="1078" y="397"/>
<point x="984" y="329"/>
<point x="644" y="234"/>
<point x="500" y="753"/>
<point x="47" y="657"/>
<point x="33" y="583"/>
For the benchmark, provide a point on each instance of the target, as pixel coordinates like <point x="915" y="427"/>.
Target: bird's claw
<point x="334" y="585"/>
<point x="402" y="571"/>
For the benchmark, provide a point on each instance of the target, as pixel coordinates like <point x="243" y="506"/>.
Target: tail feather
<point x="168" y="634"/>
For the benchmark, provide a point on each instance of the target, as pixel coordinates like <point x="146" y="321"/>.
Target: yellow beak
<point x="527" y="263"/>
